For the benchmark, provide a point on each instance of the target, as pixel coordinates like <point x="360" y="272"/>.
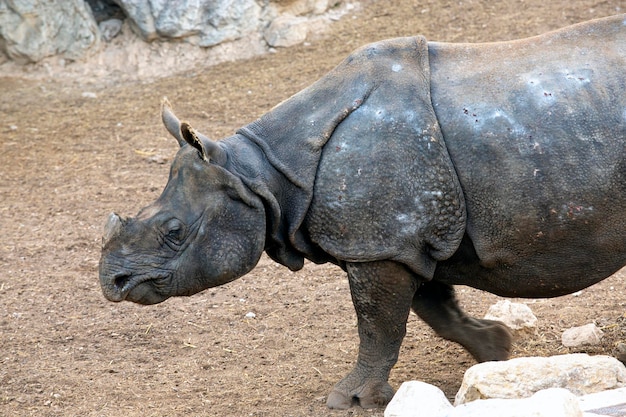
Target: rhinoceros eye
<point x="174" y="230"/>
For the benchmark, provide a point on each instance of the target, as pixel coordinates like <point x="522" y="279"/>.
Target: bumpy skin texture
<point x="414" y="167"/>
<point x="369" y="174"/>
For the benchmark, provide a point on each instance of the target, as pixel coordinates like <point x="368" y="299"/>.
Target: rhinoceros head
<point x="204" y="230"/>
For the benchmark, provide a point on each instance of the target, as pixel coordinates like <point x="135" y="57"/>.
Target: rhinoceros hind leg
<point x="381" y="293"/>
<point x="485" y="340"/>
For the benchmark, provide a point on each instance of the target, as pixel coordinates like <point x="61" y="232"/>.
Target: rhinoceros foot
<point x="366" y="392"/>
<point x="493" y="341"/>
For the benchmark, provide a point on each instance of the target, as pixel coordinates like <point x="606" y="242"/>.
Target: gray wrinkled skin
<point x="414" y="166"/>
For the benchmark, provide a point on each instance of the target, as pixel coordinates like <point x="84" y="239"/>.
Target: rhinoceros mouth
<point x="145" y="293"/>
<point x="142" y="289"/>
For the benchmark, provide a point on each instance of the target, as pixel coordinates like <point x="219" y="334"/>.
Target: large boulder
<point x="209" y="22"/>
<point x="31" y="30"/>
<point x="203" y="22"/>
<point x="522" y="377"/>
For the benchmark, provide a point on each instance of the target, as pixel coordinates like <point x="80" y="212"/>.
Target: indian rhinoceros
<point x="414" y="166"/>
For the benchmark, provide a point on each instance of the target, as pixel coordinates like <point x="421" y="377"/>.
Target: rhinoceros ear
<point x="171" y="122"/>
<point x="185" y="134"/>
<point x="207" y="148"/>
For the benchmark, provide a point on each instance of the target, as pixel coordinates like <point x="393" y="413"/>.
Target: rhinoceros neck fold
<point x="251" y="161"/>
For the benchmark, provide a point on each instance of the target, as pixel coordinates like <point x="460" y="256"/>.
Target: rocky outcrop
<point x="204" y="22"/>
<point x="31" y="30"/>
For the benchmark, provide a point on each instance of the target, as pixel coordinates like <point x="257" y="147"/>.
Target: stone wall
<point x="31" y="30"/>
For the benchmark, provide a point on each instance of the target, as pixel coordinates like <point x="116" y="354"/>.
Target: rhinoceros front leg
<point x="485" y="340"/>
<point x="382" y="293"/>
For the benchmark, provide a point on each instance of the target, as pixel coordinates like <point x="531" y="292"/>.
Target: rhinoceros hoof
<point x="368" y="395"/>
<point x="493" y="341"/>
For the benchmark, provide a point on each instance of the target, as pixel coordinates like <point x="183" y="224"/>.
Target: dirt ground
<point x="68" y="159"/>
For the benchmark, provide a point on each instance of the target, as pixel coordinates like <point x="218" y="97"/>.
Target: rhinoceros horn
<point x="112" y="228"/>
<point x="184" y="133"/>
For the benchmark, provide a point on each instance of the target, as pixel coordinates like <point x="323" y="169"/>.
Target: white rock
<point x="110" y="28"/>
<point x="522" y="377"/>
<point x="553" y="402"/>
<point x="417" y="399"/>
<point x="250" y="315"/>
<point x="600" y="401"/>
<point x="588" y="334"/>
<point x="516" y="316"/>
<point x="286" y="30"/>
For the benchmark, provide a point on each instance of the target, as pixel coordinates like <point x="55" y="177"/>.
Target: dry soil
<point x="68" y="159"/>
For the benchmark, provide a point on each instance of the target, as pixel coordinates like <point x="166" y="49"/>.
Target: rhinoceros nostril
<point x="121" y="279"/>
